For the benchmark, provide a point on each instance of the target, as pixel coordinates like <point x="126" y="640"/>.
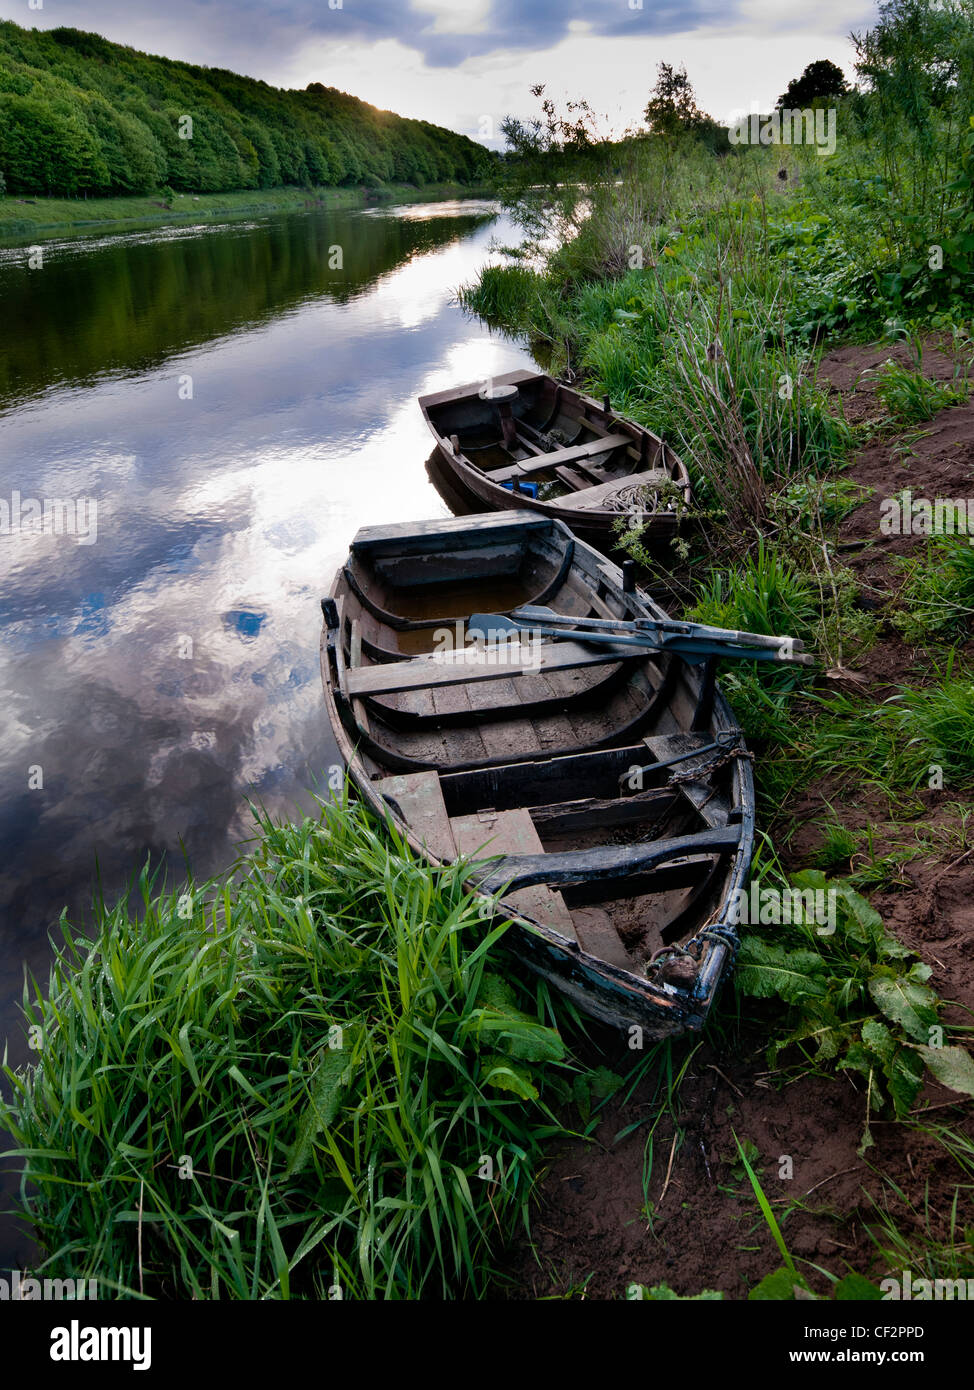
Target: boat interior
<point x="579" y="753"/>
<point x="539" y="436"/>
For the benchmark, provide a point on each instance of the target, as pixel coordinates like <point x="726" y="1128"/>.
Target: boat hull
<point x="463" y="747"/>
<point x="467" y="488"/>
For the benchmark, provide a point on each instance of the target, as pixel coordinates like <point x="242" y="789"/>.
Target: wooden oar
<point x="694" y="641"/>
<point x="530" y="613"/>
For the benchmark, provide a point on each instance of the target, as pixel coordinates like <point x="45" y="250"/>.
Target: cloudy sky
<point x="467" y="63"/>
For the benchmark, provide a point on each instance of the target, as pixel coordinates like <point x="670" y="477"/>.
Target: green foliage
<point x="326" y="1038"/>
<point x="856" y="999"/>
<point x="764" y="594"/>
<point x="81" y="115"/>
<point x="662" y="1293"/>
<point x="820" y="79"/>
<point x="786" y="1285"/>
<point x="911" y="397"/>
<point x="502" y="294"/>
<point x="937" y="723"/>
<point x="807" y="502"/>
<point x="590" y="1090"/>
<point x="838" y="846"/>
<point x="672" y="110"/>
<point x="766" y="1211"/>
<point x="908" y="1238"/>
<point x="937" y="597"/>
<point x="842" y="244"/>
<point x="831" y="284"/>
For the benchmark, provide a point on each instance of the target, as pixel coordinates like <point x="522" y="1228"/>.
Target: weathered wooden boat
<point x="612" y="780"/>
<point x="524" y="440"/>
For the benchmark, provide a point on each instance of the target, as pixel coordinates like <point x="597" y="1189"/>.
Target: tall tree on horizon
<point x="820" y="79"/>
<point x="672" y="109"/>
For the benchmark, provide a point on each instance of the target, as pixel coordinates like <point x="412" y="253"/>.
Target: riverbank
<point x="781" y="337"/>
<point x="22" y="219"/>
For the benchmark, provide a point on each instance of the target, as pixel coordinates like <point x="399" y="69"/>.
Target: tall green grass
<point x="937" y="597"/>
<point x="936" y="722"/>
<point x="309" y="1079"/>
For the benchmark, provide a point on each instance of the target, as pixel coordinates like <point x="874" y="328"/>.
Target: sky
<point x="465" y="64"/>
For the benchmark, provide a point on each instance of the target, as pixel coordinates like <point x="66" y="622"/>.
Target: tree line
<point x="82" y="116"/>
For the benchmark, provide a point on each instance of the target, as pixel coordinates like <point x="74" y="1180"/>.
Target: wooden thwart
<point x="512" y="832"/>
<point x="571" y="455"/>
<point x="560" y="818"/>
<point x="484" y="664"/>
<point x="605" y="862"/>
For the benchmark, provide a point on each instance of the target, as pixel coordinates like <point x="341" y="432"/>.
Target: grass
<point x="911" y="1236"/>
<point x="20" y="218"/>
<point x="765" y="593"/>
<point x="937" y="724"/>
<point x="839" y="845"/>
<point x="937" y="597"/>
<point x="911" y="398"/>
<point x="312" y="1078"/>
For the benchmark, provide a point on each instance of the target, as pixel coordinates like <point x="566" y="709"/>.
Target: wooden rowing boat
<point x="611" y="781"/>
<point x="524" y="440"/>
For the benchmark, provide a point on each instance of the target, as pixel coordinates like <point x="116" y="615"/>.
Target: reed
<point x="303" y="1080"/>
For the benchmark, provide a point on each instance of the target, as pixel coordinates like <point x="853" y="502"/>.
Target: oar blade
<point x="491" y="627"/>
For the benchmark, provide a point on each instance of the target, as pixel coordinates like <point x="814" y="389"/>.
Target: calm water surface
<point x="163" y="674"/>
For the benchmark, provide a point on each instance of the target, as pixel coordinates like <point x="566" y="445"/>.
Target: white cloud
<point x="729" y="69"/>
<point x="489" y="53"/>
<point x="457" y="16"/>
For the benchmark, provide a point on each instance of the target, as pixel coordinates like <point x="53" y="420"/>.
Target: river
<point x="223" y="406"/>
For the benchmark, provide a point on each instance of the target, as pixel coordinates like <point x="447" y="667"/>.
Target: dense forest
<point x="80" y="115"/>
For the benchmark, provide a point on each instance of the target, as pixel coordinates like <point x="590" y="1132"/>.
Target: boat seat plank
<point x="532" y="689"/>
<point x="397" y="538"/>
<point x="451" y="699"/>
<point x="414" y="702"/>
<point x="715" y="807"/>
<point x="560" y="685"/>
<point x="594" y="496"/>
<point x="592" y="812"/>
<point x="419" y="798"/>
<point x="427" y="672"/>
<point x="497" y="695"/>
<point x="574" y="454"/>
<point x="513" y="832"/>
